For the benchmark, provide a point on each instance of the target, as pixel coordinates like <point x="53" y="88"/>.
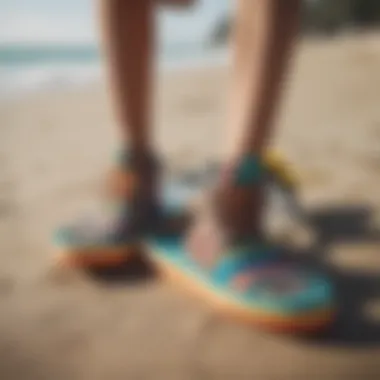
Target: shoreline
<point x="63" y="77"/>
<point x="29" y="81"/>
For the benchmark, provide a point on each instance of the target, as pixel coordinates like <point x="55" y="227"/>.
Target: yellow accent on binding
<point x="277" y="165"/>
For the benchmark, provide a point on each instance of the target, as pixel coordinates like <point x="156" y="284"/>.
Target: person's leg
<point x="222" y="253"/>
<point x="263" y="36"/>
<point x="128" y="40"/>
<point x="128" y="32"/>
<point x="109" y="237"/>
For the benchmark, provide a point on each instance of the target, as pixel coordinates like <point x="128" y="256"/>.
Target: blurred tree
<point x="321" y="17"/>
<point x="365" y="12"/>
<point x="333" y="15"/>
<point x="325" y="16"/>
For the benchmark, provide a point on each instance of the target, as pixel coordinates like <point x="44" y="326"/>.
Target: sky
<point x="74" y="21"/>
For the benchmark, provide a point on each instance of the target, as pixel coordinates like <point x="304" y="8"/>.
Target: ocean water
<point x="54" y="43"/>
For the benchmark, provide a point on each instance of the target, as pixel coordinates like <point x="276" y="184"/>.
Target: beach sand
<point x="54" y="151"/>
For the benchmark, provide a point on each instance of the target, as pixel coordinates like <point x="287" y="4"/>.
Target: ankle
<point x="140" y="170"/>
<point x="240" y="210"/>
<point x="240" y="197"/>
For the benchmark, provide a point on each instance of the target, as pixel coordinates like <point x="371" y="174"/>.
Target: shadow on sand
<point x="348" y="225"/>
